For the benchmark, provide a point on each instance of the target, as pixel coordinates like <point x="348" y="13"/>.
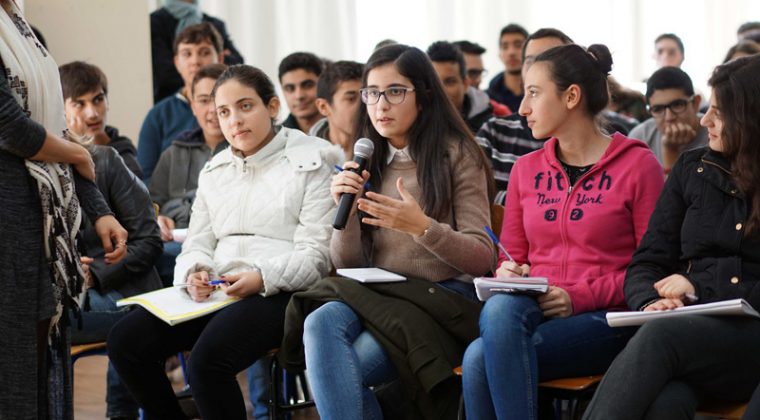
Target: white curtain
<point x="265" y="31"/>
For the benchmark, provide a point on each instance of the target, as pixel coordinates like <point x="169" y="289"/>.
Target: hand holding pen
<point x="676" y="286"/>
<point x="508" y="268"/>
<point x="199" y="287"/>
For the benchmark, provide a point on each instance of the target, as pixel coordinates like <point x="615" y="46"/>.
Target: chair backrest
<point x="497" y="217"/>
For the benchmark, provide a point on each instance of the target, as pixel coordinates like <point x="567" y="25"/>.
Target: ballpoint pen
<point x="498" y="244"/>
<point x="210" y="283"/>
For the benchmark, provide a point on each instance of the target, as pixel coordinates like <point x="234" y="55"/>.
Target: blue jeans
<point x="342" y="362"/>
<point x="500" y="371"/>
<point x="167" y="261"/>
<point x="98" y="316"/>
<point x="259" y="378"/>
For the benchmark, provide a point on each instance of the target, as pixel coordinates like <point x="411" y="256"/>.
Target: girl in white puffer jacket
<point x="260" y="222"/>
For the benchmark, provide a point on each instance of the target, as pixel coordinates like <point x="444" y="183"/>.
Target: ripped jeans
<point x="518" y="348"/>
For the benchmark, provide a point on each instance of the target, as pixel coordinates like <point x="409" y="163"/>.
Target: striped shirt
<point x="504" y="139"/>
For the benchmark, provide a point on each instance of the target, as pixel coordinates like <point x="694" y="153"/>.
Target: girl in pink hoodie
<point x="575" y="212"/>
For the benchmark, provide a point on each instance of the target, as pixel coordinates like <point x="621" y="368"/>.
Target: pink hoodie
<point x="581" y="238"/>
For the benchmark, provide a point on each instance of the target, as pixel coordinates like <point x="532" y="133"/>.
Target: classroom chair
<point x="282" y="397"/>
<point x="572" y="390"/>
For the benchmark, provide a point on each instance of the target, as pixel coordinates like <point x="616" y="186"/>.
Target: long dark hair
<point x="438" y="125"/>
<point x="737" y="93"/>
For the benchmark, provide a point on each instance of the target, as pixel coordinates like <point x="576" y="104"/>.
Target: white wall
<point x="112" y="34"/>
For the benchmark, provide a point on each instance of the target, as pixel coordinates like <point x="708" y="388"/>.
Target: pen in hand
<point x="210" y="283"/>
<point x="498" y="244"/>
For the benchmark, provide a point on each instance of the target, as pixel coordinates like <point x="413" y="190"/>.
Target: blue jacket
<point x="499" y="93"/>
<point x="164" y="122"/>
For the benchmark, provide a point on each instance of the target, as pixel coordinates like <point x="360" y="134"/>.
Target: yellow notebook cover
<point x="173" y="305"/>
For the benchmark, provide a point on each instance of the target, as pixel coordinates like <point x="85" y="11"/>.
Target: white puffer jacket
<point x="271" y="210"/>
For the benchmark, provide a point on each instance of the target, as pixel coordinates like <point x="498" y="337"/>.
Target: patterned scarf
<point x="33" y="77"/>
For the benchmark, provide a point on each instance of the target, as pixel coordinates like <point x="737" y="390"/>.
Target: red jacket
<point x="582" y="238"/>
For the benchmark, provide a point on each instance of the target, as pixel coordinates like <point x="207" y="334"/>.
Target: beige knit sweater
<point x="457" y="244"/>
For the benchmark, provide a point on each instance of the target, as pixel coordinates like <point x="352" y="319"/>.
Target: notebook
<point x="370" y="275"/>
<point x="485" y="287"/>
<point x="174" y="306"/>
<point x="726" y="307"/>
<point x="179" y="235"/>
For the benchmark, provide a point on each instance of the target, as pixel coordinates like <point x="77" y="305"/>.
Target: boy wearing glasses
<point x="674" y="126"/>
<point x="473" y="61"/>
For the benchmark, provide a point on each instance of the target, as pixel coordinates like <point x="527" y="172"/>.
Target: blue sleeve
<point x="149" y="145"/>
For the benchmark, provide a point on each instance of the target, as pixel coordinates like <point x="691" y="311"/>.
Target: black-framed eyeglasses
<point x="677" y="106"/>
<point x="394" y="95"/>
<point x="473" y="73"/>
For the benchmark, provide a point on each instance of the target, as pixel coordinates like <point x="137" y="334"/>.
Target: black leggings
<point x="223" y="344"/>
<point x="670" y="365"/>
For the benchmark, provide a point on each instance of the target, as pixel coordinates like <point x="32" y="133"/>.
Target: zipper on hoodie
<point x="563" y="218"/>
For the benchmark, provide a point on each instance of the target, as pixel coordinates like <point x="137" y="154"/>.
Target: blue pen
<point x="210" y="283"/>
<point x="339" y="168"/>
<point x="495" y="240"/>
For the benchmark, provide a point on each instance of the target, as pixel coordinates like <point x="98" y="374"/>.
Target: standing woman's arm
<point x="25" y="138"/>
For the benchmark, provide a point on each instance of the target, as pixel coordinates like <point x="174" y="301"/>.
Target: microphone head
<point x="364" y="148"/>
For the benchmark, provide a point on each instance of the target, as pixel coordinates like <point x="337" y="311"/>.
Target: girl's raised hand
<point x="403" y="215"/>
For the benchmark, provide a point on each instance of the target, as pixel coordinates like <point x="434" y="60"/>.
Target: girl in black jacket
<point x="702" y="245"/>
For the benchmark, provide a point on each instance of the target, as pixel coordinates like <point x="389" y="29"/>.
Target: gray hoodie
<point x="175" y="179"/>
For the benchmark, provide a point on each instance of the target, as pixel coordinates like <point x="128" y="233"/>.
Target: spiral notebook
<point x="485" y="287"/>
<point x="726" y="307"/>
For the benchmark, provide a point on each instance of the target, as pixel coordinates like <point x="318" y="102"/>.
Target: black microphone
<point x="363" y="149"/>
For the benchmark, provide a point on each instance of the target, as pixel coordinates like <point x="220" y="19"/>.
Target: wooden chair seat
<point x="728" y="411"/>
<point x="569" y="384"/>
<point x="573" y="390"/>
<point x="572" y="384"/>
<point x="89" y="349"/>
